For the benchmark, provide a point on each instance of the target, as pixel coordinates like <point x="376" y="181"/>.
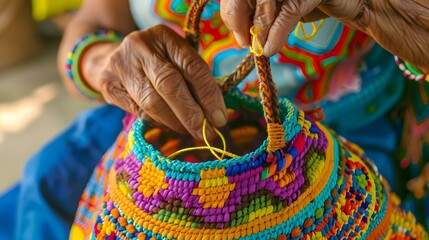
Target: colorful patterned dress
<point x="341" y="69"/>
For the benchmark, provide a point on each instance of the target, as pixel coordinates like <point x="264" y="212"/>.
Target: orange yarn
<point x="276" y="137"/>
<point x="317" y="114"/>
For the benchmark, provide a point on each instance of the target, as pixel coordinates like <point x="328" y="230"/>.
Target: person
<point x="346" y="66"/>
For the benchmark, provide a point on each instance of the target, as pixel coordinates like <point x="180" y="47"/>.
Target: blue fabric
<point x="55" y="177"/>
<point x="8" y="207"/>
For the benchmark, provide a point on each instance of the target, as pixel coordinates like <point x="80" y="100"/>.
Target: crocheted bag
<point x="302" y="183"/>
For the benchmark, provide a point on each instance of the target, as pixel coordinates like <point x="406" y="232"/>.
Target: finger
<point x="115" y="94"/>
<point x="342" y="9"/>
<point x="199" y="80"/>
<point x="265" y="14"/>
<point x="314" y="15"/>
<point x="290" y="13"/>
<point x="236" y="14"/>
<point x="143" y="93"/>
<point x="172" y="88"/>
<point x="126" y="66"/>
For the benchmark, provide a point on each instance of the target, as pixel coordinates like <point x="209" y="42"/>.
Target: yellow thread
<point x="316" y="29"/>
<point x="255" y="40"/>
<point x="232" y="155"/>
<point x="208" y="144"/>
<point x="213" y="150"/>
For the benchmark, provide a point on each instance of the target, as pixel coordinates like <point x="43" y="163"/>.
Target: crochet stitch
<point x="320" y="186"/>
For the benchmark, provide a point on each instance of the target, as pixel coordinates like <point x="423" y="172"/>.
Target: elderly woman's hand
<point x="156" y="74"/>
<point x="275" y="19"/>
<point x="401" y="27"/>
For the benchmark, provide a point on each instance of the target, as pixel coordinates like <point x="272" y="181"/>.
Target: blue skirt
<point x="42" y="205"/>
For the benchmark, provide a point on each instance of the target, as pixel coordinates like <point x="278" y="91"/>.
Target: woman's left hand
<point x="401" y="27"/>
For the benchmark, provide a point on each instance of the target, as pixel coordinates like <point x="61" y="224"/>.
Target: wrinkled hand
<point x="401" y="27"/>
<point x="275" y="19"/>
<point x="155" y="74"/>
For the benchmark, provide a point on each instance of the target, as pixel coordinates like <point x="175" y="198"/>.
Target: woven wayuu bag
<point x="292" y="177"/>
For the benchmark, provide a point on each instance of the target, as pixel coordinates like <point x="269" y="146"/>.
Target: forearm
<point x="414" y="17"/>
<point x="94" y="15"/>
<point x="400" y="26"/>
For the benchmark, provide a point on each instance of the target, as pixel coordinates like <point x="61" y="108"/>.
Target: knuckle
<point x="148" y="101"/>
<point x="129" y="41"/>
<point x="233" y="13"/>
<point x="116" y="61"/>
<point x="167" y="81"/>
<point x="132" y="37"/>
<point x="133" y="44"/>
<point x="114" y="94"/>
<point x="193" y="120"/>
<point x="159" y="31"/>
<point x="196" y="67"/>
<point x="211" y="96"/>
<point x="159" y="27"/>
<point x="107" y="84"/>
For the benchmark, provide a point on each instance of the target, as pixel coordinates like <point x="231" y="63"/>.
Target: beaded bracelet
<point x="411" y="72"/>
<point x="74" y="56"/>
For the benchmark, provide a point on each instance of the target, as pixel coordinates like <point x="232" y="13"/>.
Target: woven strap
<point x="192" y="30"/>
<point x="270" y="104"/>
<point x="267" y="88"/>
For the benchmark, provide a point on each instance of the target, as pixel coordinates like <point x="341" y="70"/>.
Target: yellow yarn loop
<point x="213" y="150"/>
<point x="316" y="29"/>
<point x="208" y="144"/>
<point x="258" y="50"/>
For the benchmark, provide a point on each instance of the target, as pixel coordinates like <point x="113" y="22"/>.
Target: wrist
<point x="93" y="61"/>
<point x="74" y="68"/>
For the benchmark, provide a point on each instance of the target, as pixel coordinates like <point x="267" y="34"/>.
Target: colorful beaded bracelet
<point x="411" y="72"/>
<point x="74" y="56"/>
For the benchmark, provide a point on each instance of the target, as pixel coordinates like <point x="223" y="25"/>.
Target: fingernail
<point x="219" y="118"/>
<point x="267" y="49"/>
<point x="240" y="40"/>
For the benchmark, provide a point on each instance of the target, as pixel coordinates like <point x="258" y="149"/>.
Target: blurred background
<point x="34" y="105"/>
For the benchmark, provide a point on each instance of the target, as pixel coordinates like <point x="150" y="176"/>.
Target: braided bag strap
<point x="267" y="88"/>
<point x="192" y="31"/>
<point x="270" y="104"/>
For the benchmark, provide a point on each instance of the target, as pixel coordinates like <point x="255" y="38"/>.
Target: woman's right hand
<point x="155" y="74"/>
<point x="401" y="27"/>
